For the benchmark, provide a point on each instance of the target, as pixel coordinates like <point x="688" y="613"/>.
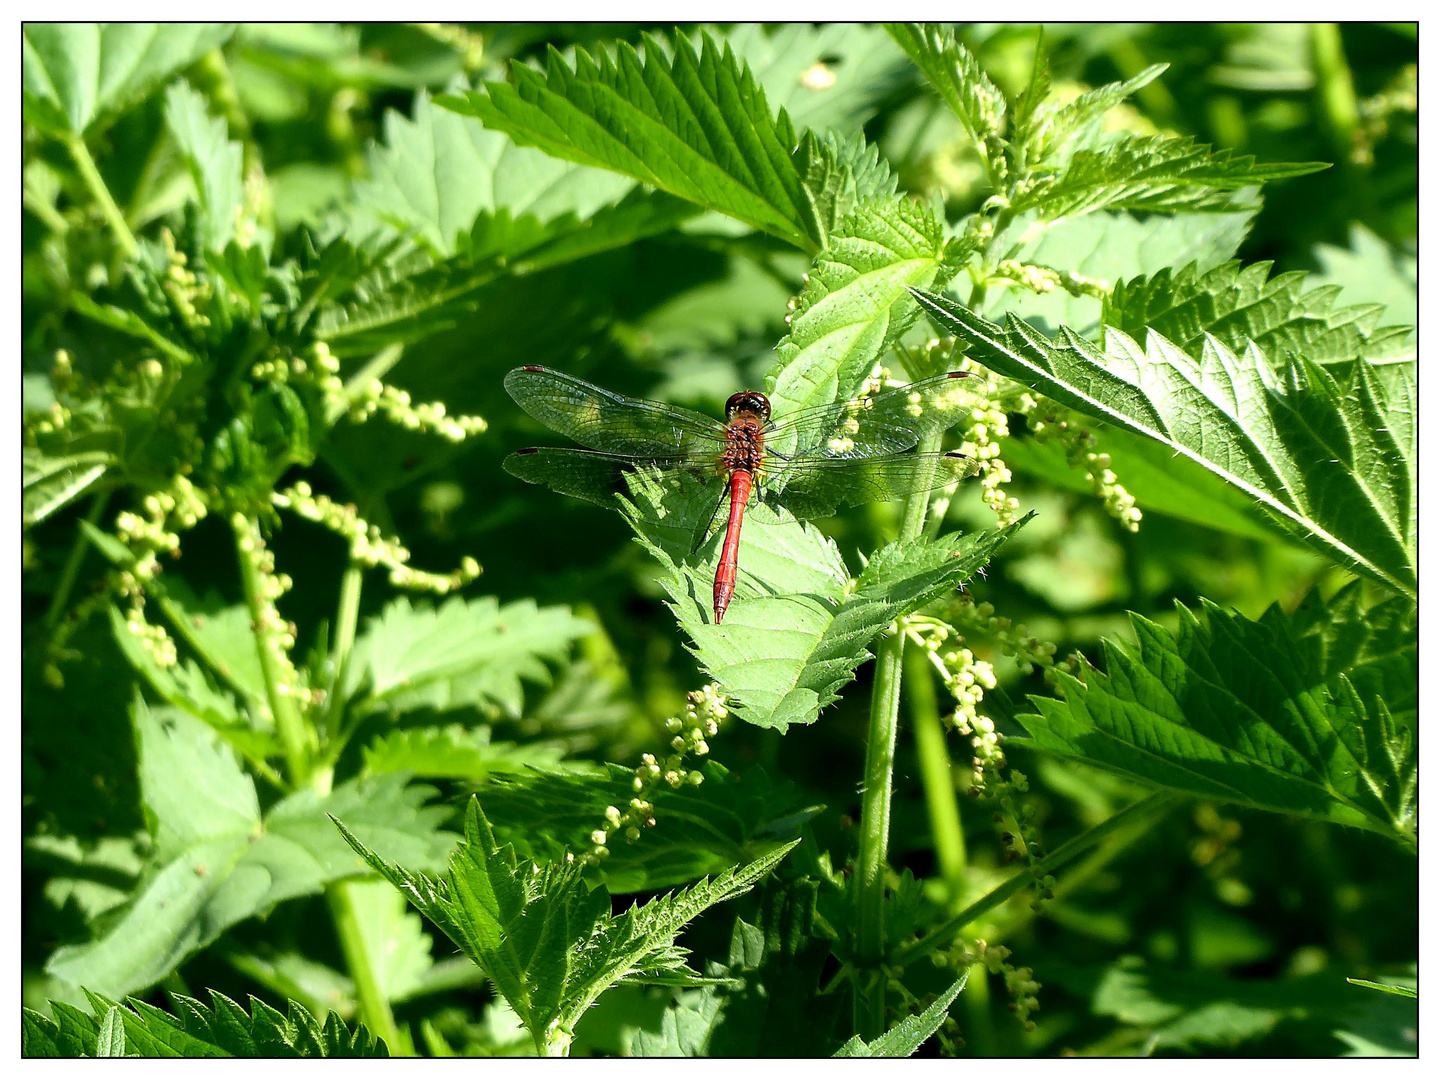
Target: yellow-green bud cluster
<point x="1079" y="444"/>
<point x="1019" y="982"/>
<point x="966" y="678"/>
<point x="185" y="290"/>
<point x="274" y="635"/>
<point x="367" y="545"/>
<point x="470" y="46"/>
<point x="428" y="416"/>
<point x="704" y="710"/>
<point x="153" y="639"/>
<point x="1014" y="639"/>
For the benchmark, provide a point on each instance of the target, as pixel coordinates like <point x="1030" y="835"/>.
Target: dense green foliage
<point x="1137" y="752"/>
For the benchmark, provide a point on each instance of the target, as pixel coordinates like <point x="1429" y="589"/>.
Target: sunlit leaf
<point x="1335" y="462"/>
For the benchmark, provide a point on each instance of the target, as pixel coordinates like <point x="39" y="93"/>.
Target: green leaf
<point x="548" y="943"/>
<point x="221" y="635"/>
<point x="456" y="752"/>
<point x="1385" y="988"/>
<point x="1061" y="129"/>
<point x="52" y="483"/>
<point x="907" y="1036"/>
<point x="701" y="830"/>
<point x="1335" y="462"/>
<point x="1370" y="271"/>
<point x="798" y="627"/>
<point x="1244" y="712"/>
<point x="195" y="1030"/>
<point x="1157" y="174"/>
<point x="438" y="171"/>
<point x="1106" y="247"/>
<point x="480" y="207"/>
<point x="74" y="74"/>
<point x="1238" y="304"/>
<point x="955" y="75"/>
<point x="832" y="75"/>
<point x="214" y="162"/>
<point x="1196" y="1011"/>
<point x="694" y="125"/>
<point x="770" y="1003"/>
<point x="839" y="174"/>
<point x="187" y="686"/>
<point x="217" y="862"/>
<point x="110" y="1042"/>
<point x="463" y="653"/>
<point x="854" y="305"/>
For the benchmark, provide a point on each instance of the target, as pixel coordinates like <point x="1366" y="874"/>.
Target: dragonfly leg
<point x="701" y="535"/>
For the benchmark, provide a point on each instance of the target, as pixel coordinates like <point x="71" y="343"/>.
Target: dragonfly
<point x="812" y="462"/>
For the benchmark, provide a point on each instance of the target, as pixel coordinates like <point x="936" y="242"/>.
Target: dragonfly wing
<point x="613" y="423"/>
<point x="875" y="426"/>
<point x="818" y="487"/>
<point x="583" y="474"/>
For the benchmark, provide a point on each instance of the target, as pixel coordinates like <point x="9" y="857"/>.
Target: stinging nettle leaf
<point x="51" y="483"/>
<point x="218" y="861"/>
<point x="1159" y="174"/>
<point x="544" y="938"/>
<point x="1333" y="461"/>
<point x="462" y="653"/>
<point x="696" y="125"/>
<point x="855" y="305"/>
<point x="75" y="74"/>
<point x="214" y="162"/>
<point x="827" y="76"/>
<point x="909" y="1034"/>
<point x="1243" y="712"/>
<point x="959" y="80"/>
<point x="194" y="1030"/>
<point x="1237" y="304"/>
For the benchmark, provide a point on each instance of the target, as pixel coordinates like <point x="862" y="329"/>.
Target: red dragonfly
<point x="811" y="462"/>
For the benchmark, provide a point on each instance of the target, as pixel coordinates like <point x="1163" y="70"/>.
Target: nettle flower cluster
<point x="704" y="710"/>
<point x="967" y="678"/>
<point x="993" y="399"/>
<point x="1020" y="983"/>
<point x="368" y="546"/>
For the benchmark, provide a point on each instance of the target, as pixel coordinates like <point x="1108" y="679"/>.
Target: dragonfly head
<point x="748" y="401"/>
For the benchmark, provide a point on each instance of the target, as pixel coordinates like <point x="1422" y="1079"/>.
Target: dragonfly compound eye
<point x="751" y="401"/>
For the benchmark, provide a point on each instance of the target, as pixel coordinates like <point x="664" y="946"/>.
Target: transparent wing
<point x="613" y="423"/>
<point x="588" y="474"/>
<point x="818" y="487"/>
<point x="866" y="427"/>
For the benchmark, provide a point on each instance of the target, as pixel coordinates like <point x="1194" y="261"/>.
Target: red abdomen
<point x="741" y="482"/>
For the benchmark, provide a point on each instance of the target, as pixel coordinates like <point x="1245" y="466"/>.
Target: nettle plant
<point x="206" y="364"/>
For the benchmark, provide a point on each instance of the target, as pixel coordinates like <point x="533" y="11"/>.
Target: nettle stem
<point x="279" y="690"/>
<point x="879" y="776"/>
<point x="75" y="144"/>
<point x="73" y="562"/>
<point x="370" y="996"/>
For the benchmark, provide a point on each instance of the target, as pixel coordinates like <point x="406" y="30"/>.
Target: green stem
<point x="73" y="563"/>
<point x="1337" y="89"/>
<point x="278" y="694"/>
<point x="53" y="219"/>
<point x="946" y="830"/>
<point x="346" y="617"/>
<point x="374" y="1005"/>
<point x="943" y="934"/>
<point x="980" y="1026"/>
<point x="96" y="183"/>
<point x="879" y="776"/>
